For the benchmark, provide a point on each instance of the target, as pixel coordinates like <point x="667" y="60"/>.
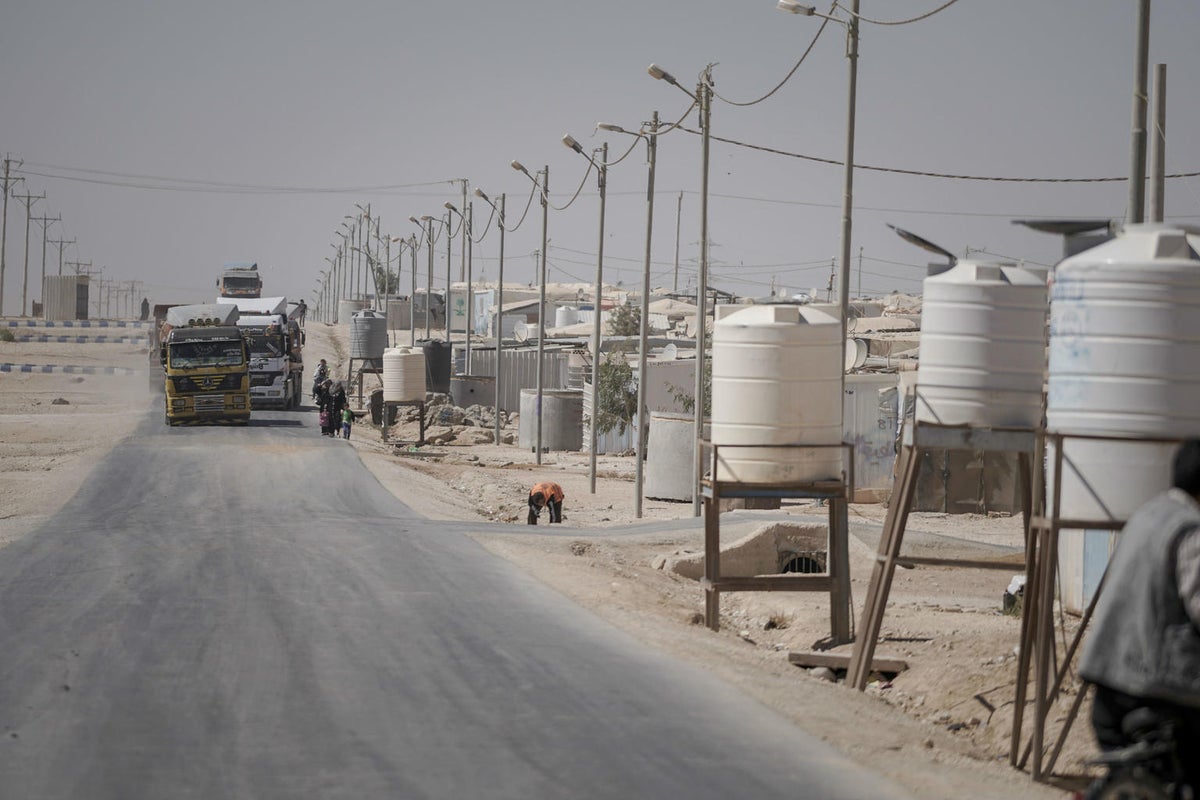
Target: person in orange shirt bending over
<point x="545" y="495"/>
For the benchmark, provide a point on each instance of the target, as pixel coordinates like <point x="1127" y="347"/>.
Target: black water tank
<point x="437" y="365"/>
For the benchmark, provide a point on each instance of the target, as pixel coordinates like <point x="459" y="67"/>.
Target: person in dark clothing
<point x="145" y="309"/>
<point x="325" y="401"/>
<point x="549" y="495"/>
<point x="337" y="405"/>
<point x="1143" y="650"/>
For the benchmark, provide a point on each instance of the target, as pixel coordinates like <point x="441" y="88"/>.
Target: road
<point x="248" y="613"/>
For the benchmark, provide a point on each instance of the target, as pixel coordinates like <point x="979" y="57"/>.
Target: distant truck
<point x="239" y="279"/>
<point x="272" y="328"/>
<point x="206" y="363"/>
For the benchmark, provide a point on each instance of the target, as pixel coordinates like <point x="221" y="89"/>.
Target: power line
<point x="922" y="173"/>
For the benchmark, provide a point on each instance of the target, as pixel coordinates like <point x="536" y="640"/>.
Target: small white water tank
<point x="566" y="315"/>
<point x="1124" y="345"/>
<point x="368" y="335"/>
<point x="776" y="379"/>
<point x="403" y="375"/>
<point x="983" y="347"/>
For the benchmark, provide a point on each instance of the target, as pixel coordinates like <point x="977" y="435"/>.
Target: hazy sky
<point x="324" y="100"/>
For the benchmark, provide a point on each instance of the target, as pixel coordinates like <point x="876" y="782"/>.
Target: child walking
<point x="347" y="422"/>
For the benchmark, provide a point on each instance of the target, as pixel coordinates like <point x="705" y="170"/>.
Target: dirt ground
<point x="941" y="728"/>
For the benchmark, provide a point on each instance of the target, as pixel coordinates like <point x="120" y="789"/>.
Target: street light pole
<point x="794" y="7"/>
<point x="541" y="345"/>
<point x="427" y="230"/>
<point x="412" y="297"/>
<point x="499" y="313"/>
<point x="703" y="98"/>
<point x="593" y="429"/>
<point x="643" y="422"/>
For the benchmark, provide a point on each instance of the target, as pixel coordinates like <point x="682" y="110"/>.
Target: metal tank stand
<point x="387" y="412"/>
<point x="1038" y="651"/>
<point x="836" y="581"/>
<point x="919" y="438"/>
<point x="353" y="377"/>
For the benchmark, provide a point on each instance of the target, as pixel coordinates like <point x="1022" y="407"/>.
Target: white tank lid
<point x="980" y="271"/>
<point x="1142" y="243"/>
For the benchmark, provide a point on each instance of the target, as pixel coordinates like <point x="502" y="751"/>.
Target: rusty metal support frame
<point x="350" y="375"/>
<point x="836" y="581"/>
<point x="920" y="437"/>
<point x="1037" y="649"/>
<point x="387" y="404"/>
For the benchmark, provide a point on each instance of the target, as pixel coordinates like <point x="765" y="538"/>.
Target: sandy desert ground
<point x="941" y="728"/>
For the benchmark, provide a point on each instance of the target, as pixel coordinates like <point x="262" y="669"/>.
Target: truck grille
<point x="209" y="402"/>
<point x="186" y="384"/>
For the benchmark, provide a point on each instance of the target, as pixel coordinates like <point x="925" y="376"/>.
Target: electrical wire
<point x="786" y="78"/>
<point x="624" y="155"/>
<point x="528" y="205"/>
<point x="487" y="227"/>
<point x="861" y="18"/>
<point x="591" y="166"/>
<point x="131" y="180"/>
<point x="922" y="173"/>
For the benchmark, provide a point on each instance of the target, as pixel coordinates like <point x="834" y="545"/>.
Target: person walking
<point x="337" y="406"/>
<point x="549" y="495"/>
<point x="347" y="422"/>
<point x="325" y="407"/>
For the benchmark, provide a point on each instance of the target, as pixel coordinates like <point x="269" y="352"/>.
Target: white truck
<point x="276" y="347"/>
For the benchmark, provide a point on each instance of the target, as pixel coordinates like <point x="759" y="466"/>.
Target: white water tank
<point x="403" y="375"/>
<point x="1124" y="350"/>
<point x="776" y="378"/>
<point x="983" y="347"/>
<point x="368" y="336"/>
<point x="566" y="315"/>
<point x="1124" y="345"/>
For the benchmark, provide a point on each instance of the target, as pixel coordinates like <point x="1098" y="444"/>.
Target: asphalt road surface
<point x="247" y="613"/>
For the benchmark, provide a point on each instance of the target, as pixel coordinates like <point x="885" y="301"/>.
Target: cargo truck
<point x="240" y="279"/>
<point x="206" y="361"/>
<point x="276" y="347"/>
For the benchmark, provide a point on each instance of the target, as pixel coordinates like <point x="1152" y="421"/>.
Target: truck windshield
<point x="241" y="286"/>
<point x="266" y="346"/>
<point x="206" y="354"/>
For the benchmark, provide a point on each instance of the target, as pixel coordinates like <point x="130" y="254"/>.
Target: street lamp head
<point x="660" y="74"/>
<point x="426" y="218"/>
<point x="450" y="207"/>
<point x="792" y="7"/>
<point x="570" y="142"/>
<point x="608" y="126"/>
<point x="414" y="220"/>
<point x="479" y="193"/>
<point x="519" y="167"/>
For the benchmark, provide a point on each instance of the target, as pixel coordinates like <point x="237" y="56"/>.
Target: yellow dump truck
<point x="206" y="361"/>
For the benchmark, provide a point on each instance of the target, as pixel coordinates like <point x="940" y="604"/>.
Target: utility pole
<point x="678" y="219"/>
<point x="1137" y="160"/>
<point x="28" y="199"/>
<point x="62" y="243"/>
<point x="8" y="182"/>
<point x="860" y="260"/>
<point x="46" y="222"/>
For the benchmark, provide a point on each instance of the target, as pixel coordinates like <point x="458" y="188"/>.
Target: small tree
<point x="624" y="320"/>
<point x="686" y="397"/>
<point x="616" y="394"/>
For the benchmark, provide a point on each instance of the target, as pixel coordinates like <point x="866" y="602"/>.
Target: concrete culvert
<point x="806" y="563"/>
